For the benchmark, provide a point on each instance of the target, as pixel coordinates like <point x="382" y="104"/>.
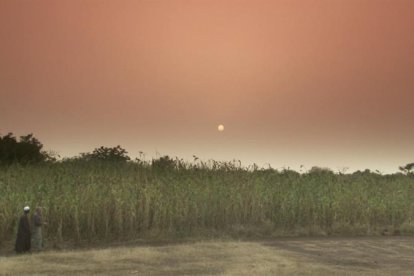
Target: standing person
<point x="37" y="238"/>
<point x="23" y="233"/>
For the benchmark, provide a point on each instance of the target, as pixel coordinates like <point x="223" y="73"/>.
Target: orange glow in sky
<point x="319" y="82"/>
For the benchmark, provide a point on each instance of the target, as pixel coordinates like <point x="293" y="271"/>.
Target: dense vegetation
<point x="103" y="195"/>
<point x="89" y="200"/>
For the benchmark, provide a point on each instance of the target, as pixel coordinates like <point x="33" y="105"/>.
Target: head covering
<point x="26" y="209"/>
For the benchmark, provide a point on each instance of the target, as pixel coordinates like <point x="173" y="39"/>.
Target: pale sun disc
<point x="220" y="127"/>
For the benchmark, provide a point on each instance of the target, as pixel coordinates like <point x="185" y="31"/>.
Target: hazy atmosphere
<point x="326" y="83"/>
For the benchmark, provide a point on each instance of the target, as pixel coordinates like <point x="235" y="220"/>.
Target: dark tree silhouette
<point x="407" y="169"/>
<point x="320" y="170"/>
<point x="26" y="150"/>
<point x="163" y="163"/>
<point x="115" y="154"/>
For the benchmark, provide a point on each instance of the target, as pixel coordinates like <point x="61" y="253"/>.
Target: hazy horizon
<point x="261" y="162"/>
<point x="314" y="83"/>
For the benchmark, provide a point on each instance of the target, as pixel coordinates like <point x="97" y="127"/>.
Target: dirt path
<point x="295" y="256"/>
<point x="387" y="255"/>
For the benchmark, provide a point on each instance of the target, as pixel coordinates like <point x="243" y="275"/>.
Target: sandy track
<point x="387" y="255"/>
<point x="293" y="256"/>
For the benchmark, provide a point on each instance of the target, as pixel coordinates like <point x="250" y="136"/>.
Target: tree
<point x="407" y="169"/>
<point x="114" y="154"/>
<point x="320" y="170"/>
<point x="163" y="163"/>
<point x="26" y="150"/>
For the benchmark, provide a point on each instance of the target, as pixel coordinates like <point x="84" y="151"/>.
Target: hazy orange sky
<point x="322" y="82"/>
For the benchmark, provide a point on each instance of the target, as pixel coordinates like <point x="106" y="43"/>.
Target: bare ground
<point x="288" y="256"/>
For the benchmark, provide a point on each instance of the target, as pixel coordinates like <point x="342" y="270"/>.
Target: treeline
<point x="28" y="149"/>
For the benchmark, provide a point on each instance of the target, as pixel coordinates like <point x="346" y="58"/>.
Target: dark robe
<point x="23" y="235"/>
